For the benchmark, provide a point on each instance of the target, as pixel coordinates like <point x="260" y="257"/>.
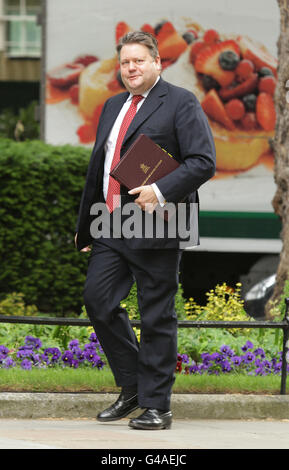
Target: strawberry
<point x="235" y="109"/>
<point x="121" y="29"/>
<point x="113" y="85"/>
<point x="196" y="48"/>
<point x="265" y="111"/>
<point x="170" y="44"/>
<point x="74" y="93"/>
<point x="96" y="116"/>
<point x="267" y="84"/>
<point x="164" y="29"/>
<point x="214" y="108"/>
<point x="86" y="133"/>
<point x="211" y="36"/>
<point x="257" y="54"/>
<point x="207" y="62"/>
<point x="147" y="28"/>
<point x="86" y="60"/>
<point x="244" y="88"/>
<point x="167" y="63"/>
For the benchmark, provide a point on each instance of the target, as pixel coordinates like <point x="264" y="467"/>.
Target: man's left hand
<point x="147" y="199"/>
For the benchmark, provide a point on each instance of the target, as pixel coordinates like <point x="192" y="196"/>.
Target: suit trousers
<point x="149" y="364"/>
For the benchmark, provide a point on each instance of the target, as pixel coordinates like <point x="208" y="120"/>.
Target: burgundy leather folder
<point x="143" y="163"/>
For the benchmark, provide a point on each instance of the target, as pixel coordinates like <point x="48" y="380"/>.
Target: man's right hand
<point x="87" y="248"/>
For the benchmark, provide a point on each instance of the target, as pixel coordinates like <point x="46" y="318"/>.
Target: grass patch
<point x="234" y="383"/>
<point x="92" y="380"/>
<point x="56" y="380"/>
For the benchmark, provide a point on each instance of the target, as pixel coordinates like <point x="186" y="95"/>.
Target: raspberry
<point x="211" y="36"/>
<point x="249" y="121"/>
<point x="267" y="84"/>
<point x="235" y="109"/>
<point x="244" y="69"/>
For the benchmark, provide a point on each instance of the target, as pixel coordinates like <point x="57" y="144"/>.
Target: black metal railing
<point x="284" y="325"/>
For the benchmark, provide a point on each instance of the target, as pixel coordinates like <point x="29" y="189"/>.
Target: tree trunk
<point x="281" y="151"/>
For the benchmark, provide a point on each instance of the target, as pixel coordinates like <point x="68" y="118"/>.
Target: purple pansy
<point x="32" y="341"/>
<point x="26" y="364"/>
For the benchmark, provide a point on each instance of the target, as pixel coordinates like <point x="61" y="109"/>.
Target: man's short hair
<point x="139" y="37"/>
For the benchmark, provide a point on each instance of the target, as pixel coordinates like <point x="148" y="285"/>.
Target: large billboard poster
<point x="224" y="51"/>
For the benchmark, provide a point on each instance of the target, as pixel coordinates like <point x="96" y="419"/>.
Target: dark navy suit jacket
<point x="173" y="118"/>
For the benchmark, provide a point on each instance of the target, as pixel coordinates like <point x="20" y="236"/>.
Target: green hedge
<point x="40" y="191"/>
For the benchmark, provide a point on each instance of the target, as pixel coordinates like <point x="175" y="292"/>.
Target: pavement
<point x="185" y="435"/>
<point x="67" y="421"/>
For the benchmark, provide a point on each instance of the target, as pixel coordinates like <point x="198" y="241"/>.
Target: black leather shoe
<point x="120" y="409"/>
<point x="152" y="419"/>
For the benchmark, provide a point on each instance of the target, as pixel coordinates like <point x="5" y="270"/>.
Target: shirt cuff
<point x="159" y="195"/>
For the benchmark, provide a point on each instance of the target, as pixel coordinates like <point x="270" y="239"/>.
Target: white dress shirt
<point x="111" y="143"/>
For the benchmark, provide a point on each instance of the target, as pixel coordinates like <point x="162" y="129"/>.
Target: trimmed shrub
<point x="40" y="191"/>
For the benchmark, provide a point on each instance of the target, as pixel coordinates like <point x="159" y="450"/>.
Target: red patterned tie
<point x="113" y="193"/>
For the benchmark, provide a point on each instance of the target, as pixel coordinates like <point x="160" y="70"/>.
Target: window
<point x="23" y="34"/>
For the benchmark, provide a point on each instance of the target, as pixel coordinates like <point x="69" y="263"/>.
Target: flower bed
<point x="30" y="355"/>
<point x="252" y="361"/>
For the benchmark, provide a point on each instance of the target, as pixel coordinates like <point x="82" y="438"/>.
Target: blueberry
<point x="264" y="71"/>
<point x="159" y="26"/>
<point x="209" y="83"/>
<point x="229" y="60"/>
<point x="250" y="102"/>
<point x="189" y="37"/>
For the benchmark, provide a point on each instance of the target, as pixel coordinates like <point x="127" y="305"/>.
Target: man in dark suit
<point x="173" y="118"/>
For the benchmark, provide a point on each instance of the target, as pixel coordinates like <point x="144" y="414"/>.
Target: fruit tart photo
<point x="233" y="77"/>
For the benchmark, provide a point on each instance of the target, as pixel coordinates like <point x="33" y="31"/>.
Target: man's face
<point x="139" y="70"/>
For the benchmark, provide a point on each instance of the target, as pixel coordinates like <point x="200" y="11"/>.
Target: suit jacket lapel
<point x="151" y="104"/>
<point x="111" y="114"/>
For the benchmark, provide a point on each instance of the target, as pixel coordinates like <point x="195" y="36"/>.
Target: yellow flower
<point x="137" y="333"/>
<point x="90" y="329"/>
